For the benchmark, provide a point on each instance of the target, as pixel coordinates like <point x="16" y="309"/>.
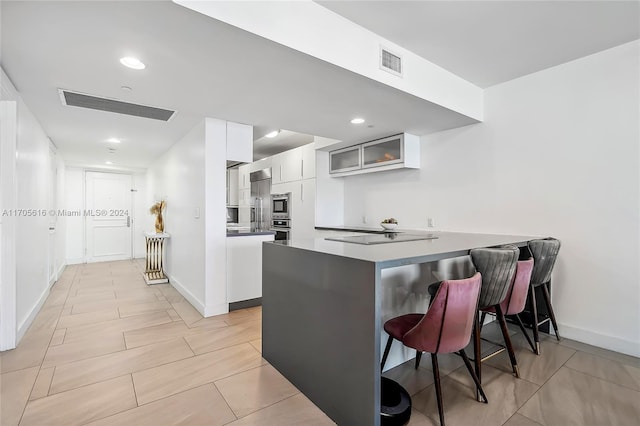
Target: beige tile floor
<point x="106" y="349"/>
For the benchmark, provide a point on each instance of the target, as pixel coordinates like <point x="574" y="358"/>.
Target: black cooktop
<point x="390" y="237"/>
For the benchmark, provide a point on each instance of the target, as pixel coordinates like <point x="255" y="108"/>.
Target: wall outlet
<point x="364" y="219"/>
<point x="430" y="222"/>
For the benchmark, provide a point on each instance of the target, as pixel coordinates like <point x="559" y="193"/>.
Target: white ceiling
<point x="490" y="42"/>
<point x="202" y="67"/>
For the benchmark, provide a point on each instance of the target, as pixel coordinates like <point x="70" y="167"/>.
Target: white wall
<point x="178" y="177"/>
<point x="60" y="221"/>
<point x="74" y="201"/>
<point x="215" y="215"/>
<point x="140" y="214"/>
<point x="32" y="192"/>
<point x="557" y="155"/>
<point x="191" y="177"/>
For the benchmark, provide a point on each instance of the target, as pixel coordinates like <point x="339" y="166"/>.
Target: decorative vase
<point x="159" y="223"/>
<point x="157" y="210"/>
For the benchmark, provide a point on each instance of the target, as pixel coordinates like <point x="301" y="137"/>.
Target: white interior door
<point x="108" y="216"/>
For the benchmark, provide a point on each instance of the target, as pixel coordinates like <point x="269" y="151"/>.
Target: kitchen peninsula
<point x="324" y="306"/>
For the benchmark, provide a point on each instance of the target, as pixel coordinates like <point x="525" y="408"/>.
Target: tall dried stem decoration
<point x="157" y="210"/>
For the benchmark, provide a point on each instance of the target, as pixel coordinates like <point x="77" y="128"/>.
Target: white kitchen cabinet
<point x="276" y="169"/>
<point x="294" y="165"/>
<point x="393" y="152"/>
<point x="232" y="187"/>
<point x="305" y="225"/>
<point x="286" y="166"/>
<point x="244" y="267"/>
<point x="303" y="206"/>
<point x="308" y="161"/>
<point x="383" y="152"/>
<point x="345" y="160"/>
<point x="239" y="142"/>
<point x="244" y="197"/>
<point x="243" y="177"/>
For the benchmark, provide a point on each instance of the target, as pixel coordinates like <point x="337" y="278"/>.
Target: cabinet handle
<point x="280" y="172"/>
<point x="302" y="168"/>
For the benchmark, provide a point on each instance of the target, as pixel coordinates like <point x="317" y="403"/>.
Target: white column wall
<point x="558" y="155"/>
<point x="215" y="215"/>
<point x="178" y="177"/>
<point x="32" y="187"/>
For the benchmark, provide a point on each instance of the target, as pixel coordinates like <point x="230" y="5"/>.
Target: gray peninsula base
<point x="321" y="314"/>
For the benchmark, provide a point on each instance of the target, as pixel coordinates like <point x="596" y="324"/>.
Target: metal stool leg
<point x="534" y="309"/>
<point x="387" y="348"/>
<point x="507" y="340"/>
<point x="547" y="301"/>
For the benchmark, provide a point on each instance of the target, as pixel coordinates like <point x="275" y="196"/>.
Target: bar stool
<point x="544" y="252"/>
<point x="498" y="268"/>
<point x="445" y="328"/>
<point x="516" y="299"/>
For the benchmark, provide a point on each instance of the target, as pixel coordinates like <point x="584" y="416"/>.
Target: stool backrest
<point x="519" y="289"/>
<point x="497" y="266"/>
<point x="544" y="252"/>
<point x="447" y="325"/>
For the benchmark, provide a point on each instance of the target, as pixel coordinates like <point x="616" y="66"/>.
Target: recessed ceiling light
<point x="108" y="162"/>
<point x="272" y="134"/>
<point x="357" y="121"/>
<point x="131" y="62"/>
<point x="114" y="140"/>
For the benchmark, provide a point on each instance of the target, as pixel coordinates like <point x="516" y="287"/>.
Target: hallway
<point x="106" y="349"/>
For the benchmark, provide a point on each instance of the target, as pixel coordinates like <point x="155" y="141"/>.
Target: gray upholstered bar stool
<point x="497" y="267"/>
<point x="544" y="252"/>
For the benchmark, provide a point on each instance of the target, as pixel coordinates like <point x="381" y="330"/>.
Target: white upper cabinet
<point x="393" y="152"/>
<point x="308" y="161"/>
<point x="243" y="176"/>
<point x="345" y="160"/>
<point x="239" y="142"/>
<point x="294" y="165"/>
<point x="232" y="187"/>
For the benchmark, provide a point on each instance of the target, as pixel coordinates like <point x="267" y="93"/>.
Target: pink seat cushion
<point x="517" y="294"/>
<point x="398" y="326"/>
<point x="446" y="327"/>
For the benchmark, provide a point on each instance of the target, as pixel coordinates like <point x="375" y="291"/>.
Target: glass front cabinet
<point x="345" y="160"/>
<point x="382" y="152"/>
<point x="393" y="152"/>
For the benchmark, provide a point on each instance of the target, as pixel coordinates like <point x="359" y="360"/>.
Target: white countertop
<point x="448" y="244"/>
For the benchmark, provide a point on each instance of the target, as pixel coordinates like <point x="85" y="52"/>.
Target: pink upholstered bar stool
<point x="445" y="328"/>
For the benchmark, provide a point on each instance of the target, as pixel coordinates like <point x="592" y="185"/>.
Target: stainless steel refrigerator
<point x="261" y="199"/>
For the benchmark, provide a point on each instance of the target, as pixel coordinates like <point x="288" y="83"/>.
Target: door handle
<point x="128" y="221"/>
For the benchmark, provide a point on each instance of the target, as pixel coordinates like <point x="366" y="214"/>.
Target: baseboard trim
<point x="60" y="271"/>
<point x="604" y="341"/>
<point x="75" y="261"/>
<point x="219" y="309"/>
<point x="187" y="294"/>
<point x="24" y="326"/>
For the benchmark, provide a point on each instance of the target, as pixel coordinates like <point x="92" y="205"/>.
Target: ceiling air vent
<point x="390" y="62"/>
<point x="111" y="105"/>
